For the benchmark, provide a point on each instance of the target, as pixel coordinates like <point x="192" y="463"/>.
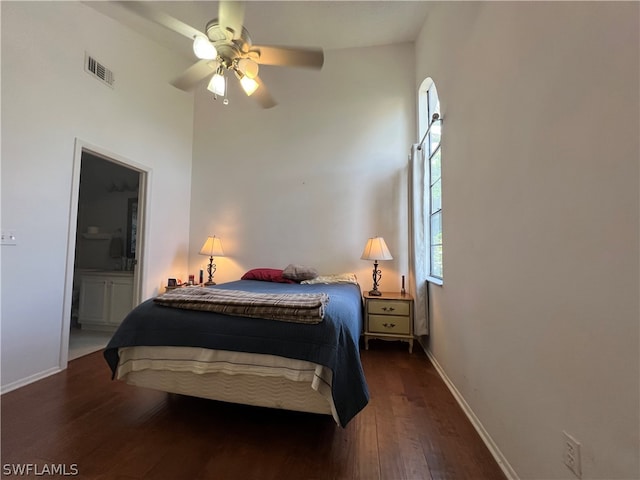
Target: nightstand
<point x="388" y="317"/>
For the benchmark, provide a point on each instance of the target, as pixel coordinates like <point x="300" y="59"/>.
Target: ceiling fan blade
<point x="195" y="74"/>
<point x="262" y="95"/>
<point x="144" y="10"/>
<point x="231" y="18"/>
<point x="290" y="57"/>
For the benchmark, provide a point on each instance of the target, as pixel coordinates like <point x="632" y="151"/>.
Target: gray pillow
<point x="299" y="272"/>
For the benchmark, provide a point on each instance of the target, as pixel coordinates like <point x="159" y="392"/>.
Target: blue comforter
<point x="332" y="342"/>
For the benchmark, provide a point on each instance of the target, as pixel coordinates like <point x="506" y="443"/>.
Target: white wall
<point x="47" y="102"/>
<point x="537" y="322"/>
<point x="309" y="180"/>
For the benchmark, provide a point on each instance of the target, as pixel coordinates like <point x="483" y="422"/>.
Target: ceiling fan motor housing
<point x="228" y="47"/>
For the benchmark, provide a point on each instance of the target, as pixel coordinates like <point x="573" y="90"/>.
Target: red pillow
<point x="266" y="275"/>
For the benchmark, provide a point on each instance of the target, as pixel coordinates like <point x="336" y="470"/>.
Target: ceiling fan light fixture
<point x="227" y="45"/>
<point x="217" y="85"/>
<point x="249" y="85"/>
<point x="248" y="67"/>
<point x="203" y="48"/>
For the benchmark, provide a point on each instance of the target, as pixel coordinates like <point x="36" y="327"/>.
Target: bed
<point x="305" y="366"/>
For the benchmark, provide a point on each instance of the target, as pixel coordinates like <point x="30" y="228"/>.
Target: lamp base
<point x="376" y="278"/>
<point x="209" y="283"/>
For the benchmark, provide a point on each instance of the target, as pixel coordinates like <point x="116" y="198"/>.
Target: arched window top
<point x="428" y="104"/>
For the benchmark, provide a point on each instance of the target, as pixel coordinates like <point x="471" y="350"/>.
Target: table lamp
<point x="376" y="249"/>
<point x="212" y="248"/>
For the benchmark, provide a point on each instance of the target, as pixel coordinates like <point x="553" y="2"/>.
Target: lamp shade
<point x="212" y="247"/>
<point x="217" y="85"/>
<point x="376" y="249"/>
<point x="249" y="85"/>
<point x="248" y="67"/>
<point x="203" y="48"/>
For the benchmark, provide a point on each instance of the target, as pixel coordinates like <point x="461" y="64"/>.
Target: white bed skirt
<point x="236" y="377"/>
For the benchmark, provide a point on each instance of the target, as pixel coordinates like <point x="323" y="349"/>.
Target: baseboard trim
<point x="484" y="435"/>
<point x="30" y="379"/>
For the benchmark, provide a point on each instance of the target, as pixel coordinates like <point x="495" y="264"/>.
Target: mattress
<point x="236" y="377"/>
<point x="329" y="349"/>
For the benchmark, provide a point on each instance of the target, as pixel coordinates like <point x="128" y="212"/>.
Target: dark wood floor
<point x="411" y="429"/>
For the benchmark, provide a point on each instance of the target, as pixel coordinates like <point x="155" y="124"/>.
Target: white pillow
<point x="334" y="278"/>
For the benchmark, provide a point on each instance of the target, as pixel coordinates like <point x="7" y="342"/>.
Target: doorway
<point x="105" y="248"/>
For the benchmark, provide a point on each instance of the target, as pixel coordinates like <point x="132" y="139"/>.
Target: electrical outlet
<point x="9" y="237"/>
<point x="571" y="454"/>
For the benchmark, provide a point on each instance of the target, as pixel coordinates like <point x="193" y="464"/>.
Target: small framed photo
<point x="172" y="282"/>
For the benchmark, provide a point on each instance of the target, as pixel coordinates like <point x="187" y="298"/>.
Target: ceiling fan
<point x="226" y="47"/>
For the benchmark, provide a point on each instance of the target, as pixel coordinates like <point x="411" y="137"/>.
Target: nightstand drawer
<point x="390" y="324"/>
<point x="388" y="307"/>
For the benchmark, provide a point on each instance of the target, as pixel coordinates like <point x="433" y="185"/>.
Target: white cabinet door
<point x="93" y="295"/>
<point x="120" y="299"/>
<point x="105" y="299"/>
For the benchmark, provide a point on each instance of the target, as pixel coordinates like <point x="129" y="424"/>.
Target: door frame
<point x="80" y="147"/>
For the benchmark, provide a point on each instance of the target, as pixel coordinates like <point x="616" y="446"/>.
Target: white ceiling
<point x="326" y="24"/>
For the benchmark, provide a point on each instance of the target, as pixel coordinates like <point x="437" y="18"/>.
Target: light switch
<point x="9" y="237"/>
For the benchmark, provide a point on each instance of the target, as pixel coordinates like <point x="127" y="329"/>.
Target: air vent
<point x="95" y="68"/>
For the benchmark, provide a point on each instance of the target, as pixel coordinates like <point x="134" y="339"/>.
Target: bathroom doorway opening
<point x="106" y="248"/>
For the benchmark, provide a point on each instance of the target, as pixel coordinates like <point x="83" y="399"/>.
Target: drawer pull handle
<point x="388" y="325"/>
<point x="388" y="309"/>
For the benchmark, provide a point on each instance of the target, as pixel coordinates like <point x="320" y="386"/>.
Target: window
<point x="430" y="105"/>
